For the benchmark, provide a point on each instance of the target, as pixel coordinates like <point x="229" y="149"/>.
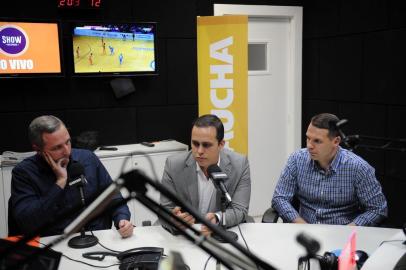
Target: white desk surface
<point x="274" y="243"/>
<point x="388" y="254"/>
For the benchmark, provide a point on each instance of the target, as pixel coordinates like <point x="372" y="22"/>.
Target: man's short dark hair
<point x="40" y="125"/>
<point x="210" y="120"/>
<point x="326" y="121"/>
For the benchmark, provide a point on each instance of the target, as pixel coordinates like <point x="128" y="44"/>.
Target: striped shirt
<point x="347" y="192"/>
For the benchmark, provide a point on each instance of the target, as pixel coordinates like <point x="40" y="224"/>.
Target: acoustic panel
<point x="114" y="126"/>
<point x="340" y="65"/>
<point x="321" y="18"/>
<point x="182" y="88"/>
<point x="160" y="123"/>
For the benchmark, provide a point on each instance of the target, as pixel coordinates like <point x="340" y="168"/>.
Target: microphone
<point x="95" y="208"/>
<point x="76" y="178"/>
<point x="311" y="245"/>
<point x="76" y="173"/>
<point x="218" y="177"/>
<point x="339" y="124"/>
<point x="348" y="141"/>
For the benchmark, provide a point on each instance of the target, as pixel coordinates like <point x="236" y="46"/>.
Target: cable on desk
<point x="208" y="259"/>
<point x="79" y="261"/>
<point x="242" y="236"/>
<point x="103" y="246"/>
<point x="238" y="225"/>
<point x="117" y="251"/>
<point x="89" y="264"/>
<point x="387" y="241"/>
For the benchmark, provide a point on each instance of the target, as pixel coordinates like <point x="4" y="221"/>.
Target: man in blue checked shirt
<point x="332" y="184"/>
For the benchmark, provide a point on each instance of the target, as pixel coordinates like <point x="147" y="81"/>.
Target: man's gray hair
<point x="40" y="125"/>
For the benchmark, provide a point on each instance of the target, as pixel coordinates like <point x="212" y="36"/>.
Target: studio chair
<point x="249" y="219"/>
<point x="272" y="216"/>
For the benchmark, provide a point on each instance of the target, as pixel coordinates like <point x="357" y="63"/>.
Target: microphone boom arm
<point x="353" y="142"/>
<point x="135" y="181"/>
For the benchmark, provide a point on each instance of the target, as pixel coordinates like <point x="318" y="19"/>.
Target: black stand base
<point x="83" y="241"/>
<point x="230" y="234"/>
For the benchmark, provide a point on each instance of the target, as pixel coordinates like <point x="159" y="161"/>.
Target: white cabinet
<point x="3" y="228"/>
<point x="6" y="191"/>
<point x="141" y="162"/>
<point x="114" y="165"/>
<point x="117" y="165"/>
<point x="150" y="160"/>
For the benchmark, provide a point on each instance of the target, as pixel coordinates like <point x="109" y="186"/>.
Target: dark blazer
<point x="37" y="201"/>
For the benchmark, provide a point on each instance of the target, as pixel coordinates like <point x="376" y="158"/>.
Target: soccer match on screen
<point x="114" y="48"/>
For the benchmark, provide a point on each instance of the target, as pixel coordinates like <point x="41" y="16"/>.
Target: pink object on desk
<point x="346" y="260"/>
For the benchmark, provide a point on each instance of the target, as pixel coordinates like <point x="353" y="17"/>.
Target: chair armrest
<point x="249" y="219"/>
<point x="270" y="216"/>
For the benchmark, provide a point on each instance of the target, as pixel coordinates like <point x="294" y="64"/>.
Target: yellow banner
<point x="222" y="48"/>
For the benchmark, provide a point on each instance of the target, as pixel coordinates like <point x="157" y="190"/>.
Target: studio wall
<point x="162" y="107"/>
<point x="354" y="65"/>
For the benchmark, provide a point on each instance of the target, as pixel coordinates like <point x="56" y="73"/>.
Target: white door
<point x="274" y="93"/>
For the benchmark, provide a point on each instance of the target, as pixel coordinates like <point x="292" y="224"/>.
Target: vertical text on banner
<point x="222" y="46"/>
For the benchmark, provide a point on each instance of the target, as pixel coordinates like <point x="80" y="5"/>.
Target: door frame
<point x="294" y="71"/>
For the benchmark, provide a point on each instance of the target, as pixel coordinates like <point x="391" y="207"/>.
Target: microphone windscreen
<point x="309" y="243"/>
<point x="341" y="123"/>
<point x="75" y="170"/>
<point x="215" y="173"/>
<point x="213" y="169"/>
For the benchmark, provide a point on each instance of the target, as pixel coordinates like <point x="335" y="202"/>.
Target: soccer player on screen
<point x="91" y="59"/>
<point x="104" y="47"/>
<point x="77" y="52"/>
<point x="120" y="58"/>
<point x="111" y="50"/>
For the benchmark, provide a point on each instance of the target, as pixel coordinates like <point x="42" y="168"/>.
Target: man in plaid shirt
<point x="332" y="184"/>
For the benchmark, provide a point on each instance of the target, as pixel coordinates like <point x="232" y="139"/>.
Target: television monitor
<point x="29" y="49"/>
<point x="123" y="49"/>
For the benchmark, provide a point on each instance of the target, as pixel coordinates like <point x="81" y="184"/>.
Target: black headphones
<point x="329" y="261"/>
